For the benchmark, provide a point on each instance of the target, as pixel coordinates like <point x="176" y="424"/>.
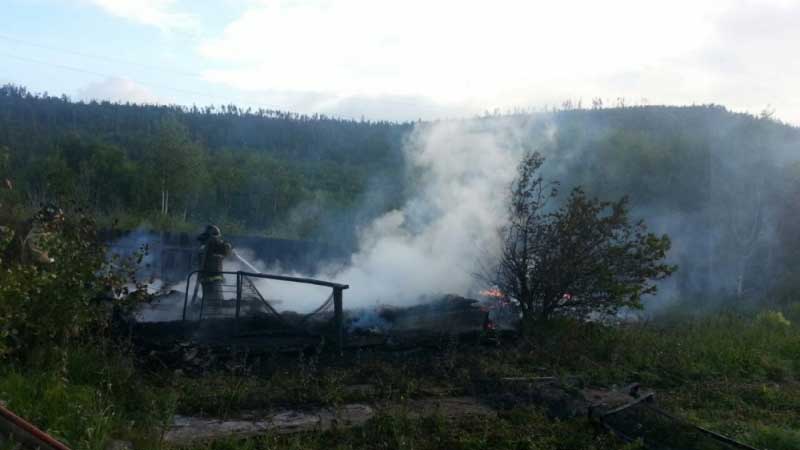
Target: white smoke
<point x="282" y="295"/>
<point x="461" y="172"/>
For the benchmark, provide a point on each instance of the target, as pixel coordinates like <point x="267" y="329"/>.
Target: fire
<point x="493" y="292"/>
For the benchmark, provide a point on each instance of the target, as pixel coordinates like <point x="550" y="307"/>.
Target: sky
<point x="410" y="59"/>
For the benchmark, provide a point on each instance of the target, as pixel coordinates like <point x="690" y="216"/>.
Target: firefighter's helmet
<point x="210" y="231"/>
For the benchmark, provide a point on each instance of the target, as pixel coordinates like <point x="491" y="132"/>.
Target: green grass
<point x="733" y="374"/>
<point x="86" y="395"/>
<point x="520" y="430"/>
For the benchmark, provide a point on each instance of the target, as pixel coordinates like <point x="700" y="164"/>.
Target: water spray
<point x="245" y="262"/>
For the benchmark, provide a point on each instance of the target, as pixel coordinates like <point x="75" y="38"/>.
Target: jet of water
<point x="245" y="262"/>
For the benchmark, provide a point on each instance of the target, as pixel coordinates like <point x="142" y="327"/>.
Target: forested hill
<point x="288" y="175"/>
<point x="248" y="170"/>
<point x="33" y="122"/>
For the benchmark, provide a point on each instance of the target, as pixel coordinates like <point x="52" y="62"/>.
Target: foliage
<point x="61" y="368"/>
<point x="773" y="318"/>
<point x="47" y="307"/>
<point x="194" y="165"/>
<point x="288" y="175"/>
<point x="581" y="258"/>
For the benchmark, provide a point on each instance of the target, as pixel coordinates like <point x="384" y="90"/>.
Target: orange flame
<point x="493" y="292"/>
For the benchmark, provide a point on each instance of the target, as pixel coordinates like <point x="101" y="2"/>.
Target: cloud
<point x="473" y="56"/>
<point x="117" y="90"/>
<point x="378" y="107"/>
<point x="158" y="13"/>
<point x="751" y="58"/>
<point x="443" y="50"/>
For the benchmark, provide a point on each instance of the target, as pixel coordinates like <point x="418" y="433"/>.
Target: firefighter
<point x="45" y="224"/>
<point x="213" y="250"/>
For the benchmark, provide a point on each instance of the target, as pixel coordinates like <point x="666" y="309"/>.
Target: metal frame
<point x="338" y="310"/>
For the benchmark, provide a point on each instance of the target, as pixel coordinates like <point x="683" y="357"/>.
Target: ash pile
<point x="452" y="315"/>
<point x="157" y="328"/>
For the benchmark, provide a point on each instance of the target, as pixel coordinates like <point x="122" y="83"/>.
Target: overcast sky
<point x="409" y="59"/>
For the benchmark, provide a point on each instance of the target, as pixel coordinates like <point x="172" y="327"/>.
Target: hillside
<point x="245" y="169"/>
<point x="293" y="176"/>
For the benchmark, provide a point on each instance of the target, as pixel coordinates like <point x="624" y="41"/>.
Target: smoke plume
<point x="459" y="173"/>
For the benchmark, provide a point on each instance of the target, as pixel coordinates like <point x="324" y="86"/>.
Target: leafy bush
<point x="793" y="313"/>
<point x="62" y="370"/>
<point x="46" y="307"/>
<point x="51" y="304"/>
<point x="772" y="319"/>
<point x="581" y="259"/>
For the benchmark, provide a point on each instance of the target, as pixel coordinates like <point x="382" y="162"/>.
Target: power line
<point x="240" y="100"/>
<point x="147" y="84"/>
<point x="99" y="57"/>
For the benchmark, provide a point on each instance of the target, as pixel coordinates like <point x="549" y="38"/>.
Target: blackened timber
<point x="338" y="315"/>
<point x="336" y="297"/>
<point x="329" y="284"/>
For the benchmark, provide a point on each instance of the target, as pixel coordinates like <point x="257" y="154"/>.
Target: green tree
<point x="175" y="163"/>
<point x="50" y="179"/>
<point x="582" y="258"/>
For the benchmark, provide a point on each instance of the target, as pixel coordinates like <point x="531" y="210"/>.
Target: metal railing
<point x="337" y="294"/>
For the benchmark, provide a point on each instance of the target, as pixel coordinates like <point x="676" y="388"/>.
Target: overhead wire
<point x="215" y="98"/>
<point x="238" y="100"/>
<point x="152" y="67"/>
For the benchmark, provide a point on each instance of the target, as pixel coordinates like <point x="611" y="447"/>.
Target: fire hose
<point x="27" y="433"/>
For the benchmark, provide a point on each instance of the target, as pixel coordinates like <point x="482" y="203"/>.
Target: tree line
<point x="724" y="186"/>
<point x="172" y="166"/>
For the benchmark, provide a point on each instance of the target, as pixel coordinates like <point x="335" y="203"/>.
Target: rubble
<point x="450" y="313"/>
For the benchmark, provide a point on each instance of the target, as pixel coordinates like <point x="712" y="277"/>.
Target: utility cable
<point x="147" y="84"/>
<point x="99" y="57"/>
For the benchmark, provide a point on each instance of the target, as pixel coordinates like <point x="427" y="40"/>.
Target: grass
<point x="521" y="429"/>
<point x="739" y="375"/>
<point x="86" y="395"/>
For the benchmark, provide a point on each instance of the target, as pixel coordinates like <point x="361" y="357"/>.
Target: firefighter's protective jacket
<point x="212" y="253"/>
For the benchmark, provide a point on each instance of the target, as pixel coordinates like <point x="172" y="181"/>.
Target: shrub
<point x="582" y="259"/>
<point x="45" y="307"/>
<point x="773" y="319"/>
